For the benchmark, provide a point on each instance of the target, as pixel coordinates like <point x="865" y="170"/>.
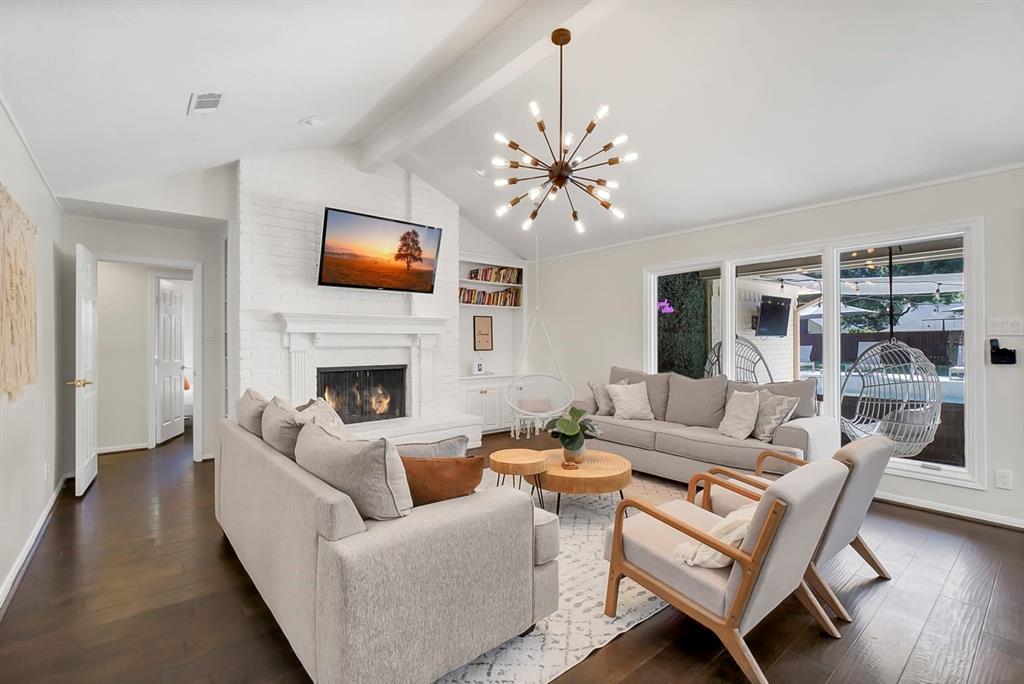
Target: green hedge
<point x="683" y="334"/>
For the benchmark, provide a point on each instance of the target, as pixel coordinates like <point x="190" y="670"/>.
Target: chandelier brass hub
<point x="560" y="173"/>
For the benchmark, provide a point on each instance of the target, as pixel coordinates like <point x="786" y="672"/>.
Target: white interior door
<point x="84" y="382"/>
<point x="170" y="362"/>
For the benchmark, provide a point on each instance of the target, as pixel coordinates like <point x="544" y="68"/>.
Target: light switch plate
<point x="1006" y="327"/>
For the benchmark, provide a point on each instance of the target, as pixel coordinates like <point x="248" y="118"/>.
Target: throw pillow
<point x="732" y="530"/>
<point x="442" y="478"/>
<point x="605" y="406"/>
<point x="657" y="387"/>
<point x="369" y="472"/>
<point x="631" y="402"/>
<point x="696" y="402"/>
<point x="281" y="424"/>
<point x="772" y="411"/>
<point x="249" y="411"/>
<point x="805" y="390"/>
<point x="330" y="420"/>
<point x="740" y="415"/>
<point x="453" y="447"/>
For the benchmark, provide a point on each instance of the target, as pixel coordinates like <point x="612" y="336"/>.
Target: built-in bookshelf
<point x="492" y="285"/>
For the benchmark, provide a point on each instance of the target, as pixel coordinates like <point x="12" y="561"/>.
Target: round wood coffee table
<point x="528" y="464"/>
<point x="600" y="473"/>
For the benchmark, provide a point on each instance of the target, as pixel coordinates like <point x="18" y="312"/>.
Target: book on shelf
<point x="508" y="297"/>
<point x="496" y="274"/>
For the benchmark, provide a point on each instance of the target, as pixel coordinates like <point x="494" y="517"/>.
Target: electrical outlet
<point x="1004" y="479"/>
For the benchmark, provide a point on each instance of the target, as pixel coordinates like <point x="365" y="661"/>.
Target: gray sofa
<point x="670" y="448"/>
<point x="402" y="600"/>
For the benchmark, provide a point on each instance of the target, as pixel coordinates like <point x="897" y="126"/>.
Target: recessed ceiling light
<point x="480" y="171"/>
<point x="311" y="121"/>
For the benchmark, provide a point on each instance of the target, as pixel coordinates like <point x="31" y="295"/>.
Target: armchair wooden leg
<point x="869" y="557"/>
<point x="611" y="601"/>
<point x="737" y="648"/>
<point x="824" y="592"/>
<point x="803" y="592"/>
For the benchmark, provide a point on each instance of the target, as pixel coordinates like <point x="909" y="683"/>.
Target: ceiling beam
<point x="518" y="44"/>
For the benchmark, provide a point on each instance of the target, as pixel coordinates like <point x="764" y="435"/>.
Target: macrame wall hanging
<point x="18" y="237"/>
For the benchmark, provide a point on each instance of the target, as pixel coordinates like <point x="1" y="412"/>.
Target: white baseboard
<point x="122" y="447"/>
<point x="959" y="511"/>
<point x="19" y="562"/>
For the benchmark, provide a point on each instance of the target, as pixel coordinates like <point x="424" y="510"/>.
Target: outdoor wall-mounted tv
<point x="370" y="252"/>
<point x="773" y="319"/>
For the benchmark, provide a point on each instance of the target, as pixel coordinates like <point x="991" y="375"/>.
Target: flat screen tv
<point x="773" y="319"/>
<point x="371" y="252"/>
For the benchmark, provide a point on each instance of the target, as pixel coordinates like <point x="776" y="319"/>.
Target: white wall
<point x="125" y="353"/>
<point x="474" y="241"/>
<point x="609" y="328"/>
<point x="149" y="242"/>
<point x="29" y="465"/>
<point x="281" y="204"/>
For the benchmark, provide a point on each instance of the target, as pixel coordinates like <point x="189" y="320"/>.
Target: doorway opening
<point x="138" y="357"/>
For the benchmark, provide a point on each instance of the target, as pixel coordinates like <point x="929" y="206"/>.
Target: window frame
<point x="973" y="474"/>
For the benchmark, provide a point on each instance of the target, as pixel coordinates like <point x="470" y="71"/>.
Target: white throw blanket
<point x="732" y="530"/>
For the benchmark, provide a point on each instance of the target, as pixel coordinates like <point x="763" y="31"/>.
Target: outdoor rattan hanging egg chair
<point x="749" y="362"/>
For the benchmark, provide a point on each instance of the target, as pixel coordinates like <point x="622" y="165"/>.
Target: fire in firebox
<point x="364" y="393"/>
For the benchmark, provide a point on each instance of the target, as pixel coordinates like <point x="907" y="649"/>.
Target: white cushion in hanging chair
<point x="539" y="395"/>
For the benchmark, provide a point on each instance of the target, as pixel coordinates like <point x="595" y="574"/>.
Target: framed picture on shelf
<point x="483" y="340"/>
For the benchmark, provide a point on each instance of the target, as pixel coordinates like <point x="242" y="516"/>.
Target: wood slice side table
<point x="600" y="473"/>
<point x="528" y="464"/>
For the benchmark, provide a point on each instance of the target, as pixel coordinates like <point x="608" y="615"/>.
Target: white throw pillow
<point x="605" y="405"/>
<point x="773" y="410"/>
<point x="732" y="530"/>
<point x="631" y="402"/>
<point x="740" y="415"/>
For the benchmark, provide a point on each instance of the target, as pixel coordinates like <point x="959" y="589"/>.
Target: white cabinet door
<point x="491" y="407"/>
<point x="473" y="401"/>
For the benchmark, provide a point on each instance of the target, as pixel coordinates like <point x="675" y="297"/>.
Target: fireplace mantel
<point x="304" y="332"/>
<point x="361" y="324"/>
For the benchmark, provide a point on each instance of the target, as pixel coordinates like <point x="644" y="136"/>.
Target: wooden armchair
<point x="767" y="567"/>
<point x="866" y="460"/>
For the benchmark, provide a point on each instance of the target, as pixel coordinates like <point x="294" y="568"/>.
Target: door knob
<point x="79" y="382"/>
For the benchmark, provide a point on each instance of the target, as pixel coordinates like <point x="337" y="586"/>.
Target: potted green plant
<point x="572" y="431"/>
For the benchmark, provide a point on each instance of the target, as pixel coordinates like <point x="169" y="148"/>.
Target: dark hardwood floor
<point x="135" y="583"/>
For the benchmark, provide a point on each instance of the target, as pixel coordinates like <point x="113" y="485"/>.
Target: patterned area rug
<point x="580" y="625"/>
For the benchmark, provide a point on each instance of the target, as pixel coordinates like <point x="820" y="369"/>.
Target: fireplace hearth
<point x="363" y="393"/>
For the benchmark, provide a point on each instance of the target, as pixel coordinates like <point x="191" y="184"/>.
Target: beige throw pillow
<point x="740" y="415"/>
<point x="732" y="530"/>
<point x="773" y="410"/>
<point x="369" y="472"/>
<point x="249" y="411"/>
<point x="605" y="406"/>
<point x="281" y="422"/>
<point x="631" y="402"/>
<point x="696" y="402"/>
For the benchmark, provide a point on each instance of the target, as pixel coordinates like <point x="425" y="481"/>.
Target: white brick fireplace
<point x="288" y="326"/>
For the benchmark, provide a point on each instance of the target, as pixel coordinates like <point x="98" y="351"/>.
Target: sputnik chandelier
<point x="563" y="172"/>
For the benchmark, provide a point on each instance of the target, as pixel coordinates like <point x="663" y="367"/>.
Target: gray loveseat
<point x="683" y="439"/>
<point x="402" y="600"/>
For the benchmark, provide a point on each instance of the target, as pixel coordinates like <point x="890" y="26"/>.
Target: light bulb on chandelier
<point x="566" y="170"/>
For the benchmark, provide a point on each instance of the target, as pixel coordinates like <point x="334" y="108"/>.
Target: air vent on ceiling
<point x="203" y="103"/>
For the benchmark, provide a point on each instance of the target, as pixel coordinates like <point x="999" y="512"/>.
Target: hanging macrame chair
<point x="899" y="394"/>
<point x="749" y="362"/>
<point x="535" y="398"/>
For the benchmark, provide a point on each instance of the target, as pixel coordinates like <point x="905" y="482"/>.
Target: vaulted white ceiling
<point x="100" y="88"/>
<point x="735" y="108"/>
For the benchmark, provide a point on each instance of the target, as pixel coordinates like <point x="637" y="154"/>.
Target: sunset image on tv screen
<point x="371" y="252"/>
